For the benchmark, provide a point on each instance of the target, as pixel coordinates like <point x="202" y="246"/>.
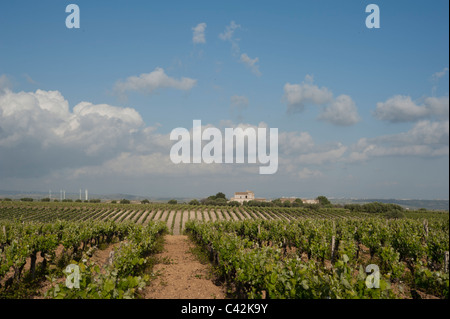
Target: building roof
<point x="243" y="193"/>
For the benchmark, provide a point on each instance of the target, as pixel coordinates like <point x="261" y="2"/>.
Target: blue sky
<point x="361" y="112"/>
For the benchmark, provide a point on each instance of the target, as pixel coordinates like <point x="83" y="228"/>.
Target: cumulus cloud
<point x="295" y="143"/>
<point x="339" y="111"/>
<point x="333" y="154"/>
<point x="425" y="139"/>
<point x="5" y="83"/>
<point x="199" y="33"/>
<point x="150" y="82"/>
<point x="402" y="108"/>
<point x="39" y="133"/>
<point x="298" y="96"/>
<point x="251" y="63"/>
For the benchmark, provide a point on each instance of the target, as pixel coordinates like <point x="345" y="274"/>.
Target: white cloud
<point x="199" y="33"/>
<point x="437" y="106"/>
<point x="5" y="83"/>
<point x="150" y="82"/>
<point x="402" y="108"/>
<point x="39" y="133"/>
<point x="425" y="139"/>
<point x="228" y="35"/>
<point x="251" y="63"/>
<point x="298" y="96"/>
<point x="341" y="111"/>
<point x="436" y="76"/>
<point x="399" y="109"/>
<point x="295" y="143"/>
<point x="320" y="157"/>
<point x="306" y="173"/>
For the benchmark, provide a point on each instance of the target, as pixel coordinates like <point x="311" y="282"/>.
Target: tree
<point x="221" y="195"/>
<point x="323" y="201"/>
<point x="297" y="203"/>
<point x="220" y="201"/>
<point x="194" y="202"/>
<point x="277" y="202"/>
<point x="124" y="201"/>
<point x="173" y="201"/>
<point x="395" y="214"/>
<point x="45" y="199"/>
<point x="145" y="201"/>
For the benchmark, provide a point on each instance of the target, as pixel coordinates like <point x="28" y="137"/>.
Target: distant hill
<point x="104" y="197"/>
<point x="435" y="204"/>
<point x="429" y="204"/>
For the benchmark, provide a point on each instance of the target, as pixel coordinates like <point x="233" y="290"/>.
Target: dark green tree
<point x="323" y="201"/>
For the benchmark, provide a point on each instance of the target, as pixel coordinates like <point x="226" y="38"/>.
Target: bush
<point x="173" y="201"/>
<point x="277" y="202"/>
<point x="27" y="199"/>
<point x="286" y="203"/>
<point x="45" y="199"/>
<point x="124" y="201"/>
<point x="324" y="201"/>
<point x="395" y="214"/>
<point x="234" y="203"/>
<point x="194" y="202"/>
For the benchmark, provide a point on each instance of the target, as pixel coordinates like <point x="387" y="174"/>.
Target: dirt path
<point x="178" y="216"/>
<point x="182" y="276"/>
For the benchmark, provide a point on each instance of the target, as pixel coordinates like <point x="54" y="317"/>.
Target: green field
<point x="259" y="252"/>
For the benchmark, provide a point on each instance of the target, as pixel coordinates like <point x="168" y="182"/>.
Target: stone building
<point x="246" y="196"/>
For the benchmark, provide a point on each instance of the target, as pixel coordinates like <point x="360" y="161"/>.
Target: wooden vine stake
<point x="4" y="231"/>
<point x="446" y="262"/>
<point x="111" y="258"/>
<point x="333" y="242"/>
<point x="425" y="227"/>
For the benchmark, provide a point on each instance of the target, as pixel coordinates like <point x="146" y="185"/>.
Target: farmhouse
<point x="246" y="196"/>
<point x="310" y="201"/>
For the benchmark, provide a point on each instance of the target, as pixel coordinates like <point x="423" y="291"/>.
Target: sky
<point x="361" y="112"/>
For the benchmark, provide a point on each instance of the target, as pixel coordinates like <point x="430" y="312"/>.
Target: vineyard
<point x="257" y="252"/>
